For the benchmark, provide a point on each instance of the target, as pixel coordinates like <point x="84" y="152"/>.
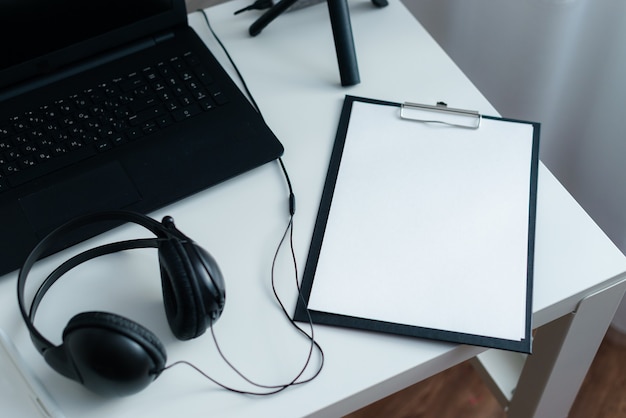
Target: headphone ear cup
<point x="112" y="355"/>
<point x="181" y="296"/>
<point x="210" y="280"/>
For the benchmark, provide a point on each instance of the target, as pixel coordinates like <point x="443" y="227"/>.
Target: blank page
<point x="429" y="225"/>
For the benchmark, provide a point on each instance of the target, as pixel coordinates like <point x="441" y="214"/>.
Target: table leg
<point x="563" y="351"/>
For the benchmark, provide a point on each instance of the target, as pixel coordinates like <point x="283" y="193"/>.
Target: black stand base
<point x="342" y="34"/>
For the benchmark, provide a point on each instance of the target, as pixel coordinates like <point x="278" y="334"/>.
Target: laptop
<point x="111" y="104"/>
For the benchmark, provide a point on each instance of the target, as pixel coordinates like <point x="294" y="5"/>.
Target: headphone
<point x="108" y="353"/>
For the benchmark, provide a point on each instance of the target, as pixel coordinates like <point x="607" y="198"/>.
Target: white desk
<point x="292" y="71"/>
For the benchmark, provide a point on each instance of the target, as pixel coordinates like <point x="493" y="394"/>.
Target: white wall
<point x="559" y="62"/>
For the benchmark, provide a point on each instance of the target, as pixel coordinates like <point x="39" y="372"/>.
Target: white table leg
<point x="563" y="350"/>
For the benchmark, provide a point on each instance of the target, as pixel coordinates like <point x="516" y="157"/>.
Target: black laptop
<point x="111" y="104"/>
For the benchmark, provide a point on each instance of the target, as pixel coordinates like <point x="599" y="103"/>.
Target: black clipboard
<point x="340" y="298"/>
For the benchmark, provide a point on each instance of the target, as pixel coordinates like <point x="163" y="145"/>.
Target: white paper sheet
<point x="429" y="225"/>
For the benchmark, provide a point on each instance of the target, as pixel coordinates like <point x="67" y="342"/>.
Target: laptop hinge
<point x="163" y="37"/>
<point x="88" y="64"/>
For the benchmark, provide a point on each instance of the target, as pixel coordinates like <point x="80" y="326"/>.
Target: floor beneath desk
<point x="460" y="392"/>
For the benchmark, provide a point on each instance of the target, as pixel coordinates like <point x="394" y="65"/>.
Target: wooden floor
<point x="460" y="393"/>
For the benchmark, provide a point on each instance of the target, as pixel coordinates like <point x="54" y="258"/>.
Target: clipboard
<point x="426" y="226"/>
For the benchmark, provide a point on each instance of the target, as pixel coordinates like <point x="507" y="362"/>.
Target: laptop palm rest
<point x="102" y="188"/>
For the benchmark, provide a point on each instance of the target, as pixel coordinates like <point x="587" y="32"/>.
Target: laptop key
<point x="186" y="112"/>
<point x="103" y="145"/>
<point x="146" y="115"/>
<point x="164" y="121"/>
<point x="16" y="176"/>
<point x="218" y="96"/>
<point x="110" y="114"/>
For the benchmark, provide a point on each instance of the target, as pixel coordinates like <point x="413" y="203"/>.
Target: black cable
<point x="292" y="197"/>
<point x="288" y="232"/>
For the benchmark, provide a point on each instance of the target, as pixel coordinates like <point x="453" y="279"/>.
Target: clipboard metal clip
<point x="459" y="118"/>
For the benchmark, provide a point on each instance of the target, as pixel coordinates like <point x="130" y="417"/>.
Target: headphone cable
<point x="288" y="232"/>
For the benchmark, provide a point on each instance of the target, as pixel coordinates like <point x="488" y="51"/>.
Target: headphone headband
<point x="108" y="353"/>
<point x="161" y="230"/>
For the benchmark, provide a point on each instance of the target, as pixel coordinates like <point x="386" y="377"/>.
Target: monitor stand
<point x="342" y="34"/>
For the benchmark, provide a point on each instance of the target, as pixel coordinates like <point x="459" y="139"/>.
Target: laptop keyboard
<point x="112" y="113"/>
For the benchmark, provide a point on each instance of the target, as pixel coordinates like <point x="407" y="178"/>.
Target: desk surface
<point x="292" y="71"/>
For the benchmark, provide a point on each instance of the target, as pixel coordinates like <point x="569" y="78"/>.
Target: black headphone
<point x="105" y="352"/>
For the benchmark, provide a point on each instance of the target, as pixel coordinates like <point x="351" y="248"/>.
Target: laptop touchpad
<point x="106" y="187"/>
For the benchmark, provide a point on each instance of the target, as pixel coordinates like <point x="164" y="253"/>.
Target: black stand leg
<point x="342" y="34"/>
<point x="344" y="42"/>
<point x="267" y="17"/>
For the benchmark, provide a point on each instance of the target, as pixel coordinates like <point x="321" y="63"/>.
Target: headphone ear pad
<point x="112" y="355"/>
<point x="181" y="297"/>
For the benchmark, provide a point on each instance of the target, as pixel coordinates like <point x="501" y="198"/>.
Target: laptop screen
<point x="34" y="31"/>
